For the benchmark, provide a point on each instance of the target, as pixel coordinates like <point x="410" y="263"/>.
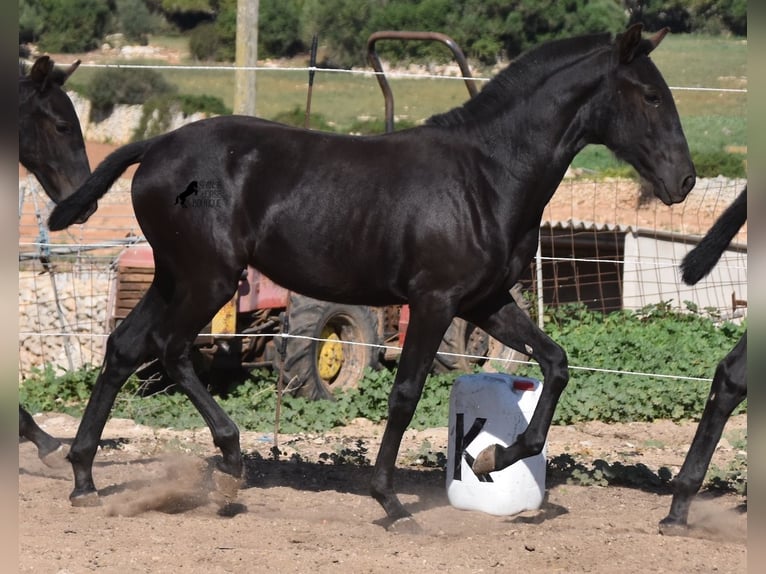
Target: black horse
<point x="729" y="387"/>
<point x="51" y="146"/>
<point x="444" y="216"/>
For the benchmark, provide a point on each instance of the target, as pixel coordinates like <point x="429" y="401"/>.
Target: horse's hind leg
<point x="126" y="348"/>
<point x="49" y="449"/>
<point x="428" y="322"/>
<point x="196" y="300"/>
<point x="729" y="389"/>
<point x="512" y="327"/>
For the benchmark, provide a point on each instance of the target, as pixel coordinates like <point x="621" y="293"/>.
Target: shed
<point x="609" y="267"/>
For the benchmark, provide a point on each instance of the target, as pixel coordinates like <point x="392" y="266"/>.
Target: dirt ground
<point x="304" y="513"/>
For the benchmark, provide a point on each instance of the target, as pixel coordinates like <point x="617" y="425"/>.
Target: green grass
<point x="712" y="120"/>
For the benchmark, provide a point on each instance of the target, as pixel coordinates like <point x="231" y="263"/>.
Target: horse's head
<point x="639" y="120"/>
<point x="51" y="144"/>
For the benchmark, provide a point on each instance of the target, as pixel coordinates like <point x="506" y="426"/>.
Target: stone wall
<point x="62" y="318"/>
<point x="121" y="124"/>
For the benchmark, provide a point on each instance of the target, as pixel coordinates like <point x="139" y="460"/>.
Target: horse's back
<point x="267" y="191"/>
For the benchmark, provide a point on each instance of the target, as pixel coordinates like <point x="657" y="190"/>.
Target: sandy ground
<point x="303" y="513"/>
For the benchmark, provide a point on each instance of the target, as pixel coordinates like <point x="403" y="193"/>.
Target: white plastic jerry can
<point x="488" y="409"/>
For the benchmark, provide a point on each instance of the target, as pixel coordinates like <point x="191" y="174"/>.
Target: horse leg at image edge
<point x="728" y="390"/>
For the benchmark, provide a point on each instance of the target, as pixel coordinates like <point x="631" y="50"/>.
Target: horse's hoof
<point x="56" y="458"/>
<point x="670" y="527"/>
<point x="485" y="462"/>
<point x="88" y="499"/>
<point x="405" y="525"/>
<point x="225" y="487"/>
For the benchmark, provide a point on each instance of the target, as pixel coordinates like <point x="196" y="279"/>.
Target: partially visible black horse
<point x="729" y="387"/>
<point x="444" y="216"/>
<point x="51" y="146"/>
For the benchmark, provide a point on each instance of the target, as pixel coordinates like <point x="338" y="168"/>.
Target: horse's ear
<point x="61" y="75"/>
<point x="70" y="70"/>
<point x="657" y="38"/>
<point x="628" y="43"/>
<point x="40" y="72"/>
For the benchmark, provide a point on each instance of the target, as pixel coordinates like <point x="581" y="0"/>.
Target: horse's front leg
<point x="728" y="390"/>
<point x="514" y="328"/>
<point x="428" y="322"/>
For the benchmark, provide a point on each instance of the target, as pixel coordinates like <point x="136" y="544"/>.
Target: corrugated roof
<point x="584" y="225"/>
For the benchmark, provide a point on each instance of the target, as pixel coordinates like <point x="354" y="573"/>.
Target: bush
<point x="279" y="29"/>
<point x="135" y="21"/>
<point x="124" y="86"/>
<point x="71" y="25"/>
<point x="203" y="42"/>
<point x="216" y="40"/>
<point x="31" y="23"/>
<point x="713" y="164"/>
<point x="158" y="112"/>
<point x="297" y="117"/>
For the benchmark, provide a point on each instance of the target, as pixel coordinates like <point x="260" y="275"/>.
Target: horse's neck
<point x="537" y="139"/>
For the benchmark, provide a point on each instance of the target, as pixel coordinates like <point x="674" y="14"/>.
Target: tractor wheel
<point x="469" y="346"/>
<point x="317" y="362"/>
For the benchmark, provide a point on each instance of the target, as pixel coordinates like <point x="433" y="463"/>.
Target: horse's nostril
<point x="688" y="183"/>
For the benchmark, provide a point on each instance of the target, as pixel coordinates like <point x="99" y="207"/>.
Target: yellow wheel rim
<point x="330" y="356"/>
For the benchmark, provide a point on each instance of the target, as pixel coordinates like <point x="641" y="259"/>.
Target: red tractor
<point x="330" y="344"/>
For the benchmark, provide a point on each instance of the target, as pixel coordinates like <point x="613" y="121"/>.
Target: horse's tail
<point x="701" y="260"/>
<point x="97" y="184"/>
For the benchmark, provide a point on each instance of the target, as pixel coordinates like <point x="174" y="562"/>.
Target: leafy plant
<point x="112" y="86"/>
<point x="654" y="340"/>
<point x="733" y="477"/>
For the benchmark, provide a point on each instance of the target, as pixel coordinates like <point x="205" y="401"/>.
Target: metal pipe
<point x="374" y="60"/>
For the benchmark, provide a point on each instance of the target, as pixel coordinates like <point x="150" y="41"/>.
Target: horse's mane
<point x="521" y="76"/>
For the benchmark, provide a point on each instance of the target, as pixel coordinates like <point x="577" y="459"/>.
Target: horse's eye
<point x="63" y="127"/>
<point x="652" y="98"/>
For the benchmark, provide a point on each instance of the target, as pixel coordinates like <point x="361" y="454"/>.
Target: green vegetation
<point x="64" y="25"/>
<point x="715" y="122"/>
<point x="111" y="86"/>
<point x="656" y="340"/>
<point x="158" y="112"/>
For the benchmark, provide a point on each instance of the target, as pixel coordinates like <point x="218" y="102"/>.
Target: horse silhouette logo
<point x="191" y="189"/>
